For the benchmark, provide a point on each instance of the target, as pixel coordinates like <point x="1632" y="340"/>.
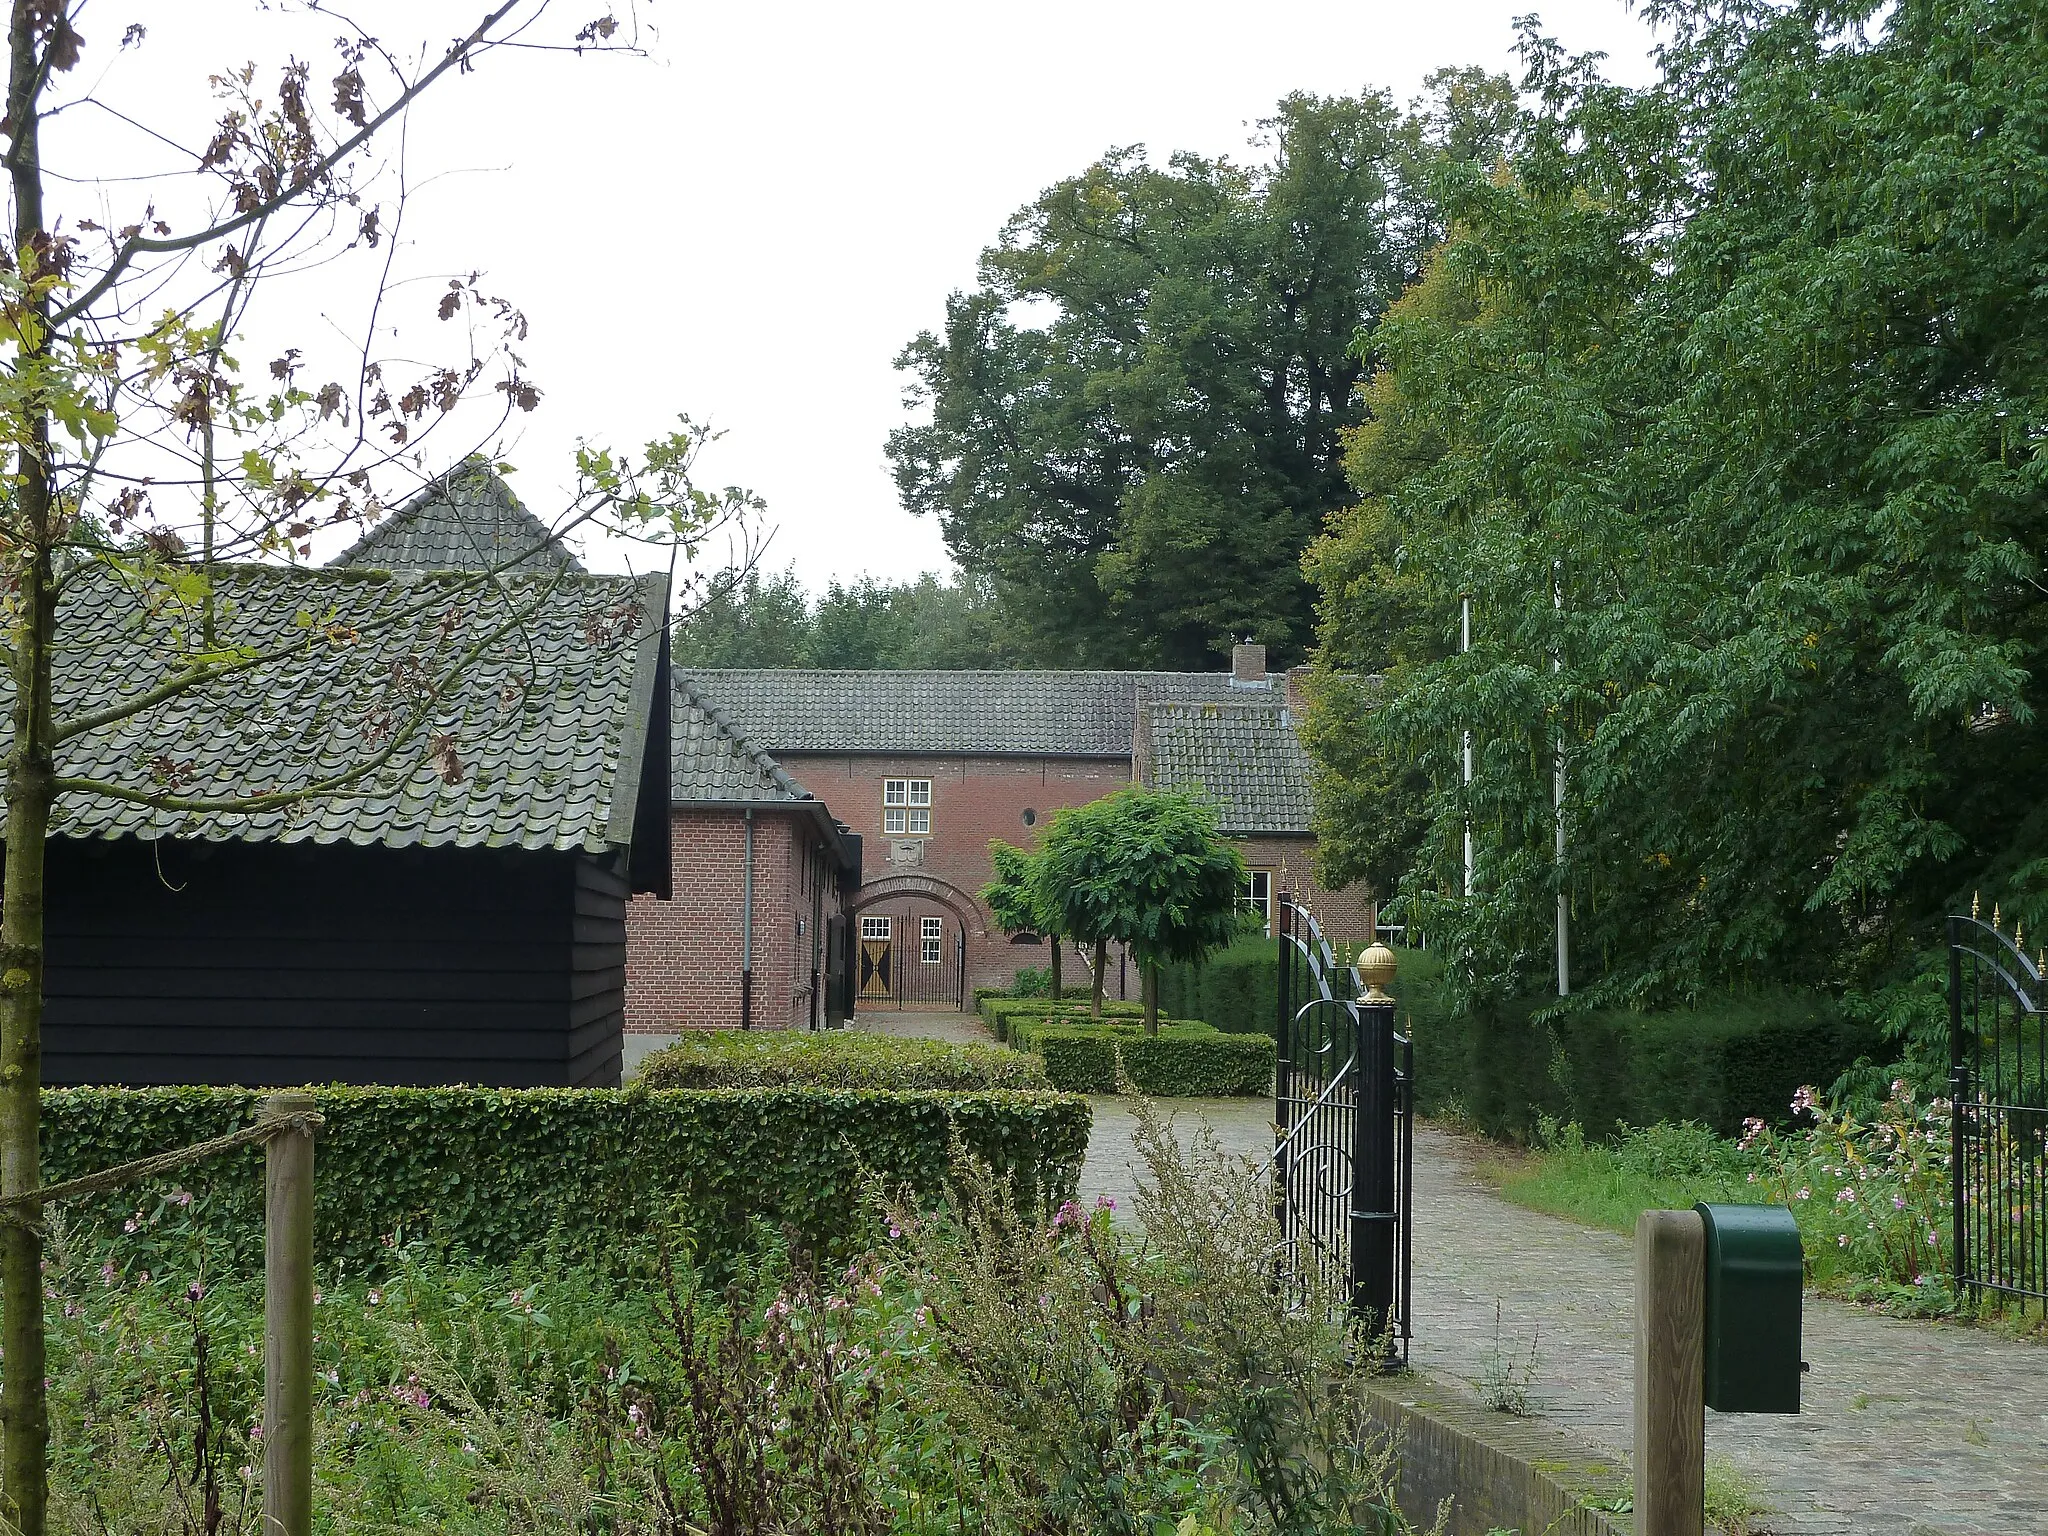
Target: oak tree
<point x="1132" y="421"/>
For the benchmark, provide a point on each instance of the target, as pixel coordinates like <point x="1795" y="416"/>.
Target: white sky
<point x="750" y="224"/>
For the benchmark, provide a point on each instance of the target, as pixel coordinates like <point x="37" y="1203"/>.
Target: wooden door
<point x="875" y="969"/>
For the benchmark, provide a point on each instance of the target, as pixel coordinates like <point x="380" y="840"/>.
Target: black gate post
<point x="1373" y="1211"/>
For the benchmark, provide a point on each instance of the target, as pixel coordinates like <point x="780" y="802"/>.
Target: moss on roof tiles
<point x="1245" y="757"/>
<point x="465" y="520"/>
<point x="318" y="707"/>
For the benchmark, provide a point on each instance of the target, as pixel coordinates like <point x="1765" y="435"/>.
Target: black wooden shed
<point x="457" y="916"/>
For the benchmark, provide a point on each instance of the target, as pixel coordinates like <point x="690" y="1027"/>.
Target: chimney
<point x="1248" y="666"/>
<point x="1141" y="737"/>
<point x="1297" y="694"/>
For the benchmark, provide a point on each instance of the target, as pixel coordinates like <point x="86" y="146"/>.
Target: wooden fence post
<point x="1671" y="1414"/>
<point x="288" y="1322"/>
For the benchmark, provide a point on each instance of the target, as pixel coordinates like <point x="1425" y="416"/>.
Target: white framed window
<point x="1258" y="894"/>
<point x="906" y="807"/>
<point x="931" y="933"/>
<point x="874" y="927"/>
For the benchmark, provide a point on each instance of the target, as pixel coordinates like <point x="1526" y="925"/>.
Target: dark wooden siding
<point x="597" y="975"/>
<point x="266" y="964"/>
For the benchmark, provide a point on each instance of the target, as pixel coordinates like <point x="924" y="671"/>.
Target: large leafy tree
<point x="1133" y="419"/>
<point x="141" y="456"/>
<point x="1725" y="406"/>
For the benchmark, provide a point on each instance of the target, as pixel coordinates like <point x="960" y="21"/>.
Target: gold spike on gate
<point x="1973" y="906"/>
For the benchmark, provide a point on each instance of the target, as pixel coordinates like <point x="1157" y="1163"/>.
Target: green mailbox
<point x="1755" y="1282"/>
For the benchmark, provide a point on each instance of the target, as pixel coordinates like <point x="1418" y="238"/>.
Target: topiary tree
<point x="1142" y="867"/>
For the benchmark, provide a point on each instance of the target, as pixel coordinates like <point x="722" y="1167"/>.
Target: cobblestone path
<point x="961" y="1028"/>
<point x="1909" y="1428"/>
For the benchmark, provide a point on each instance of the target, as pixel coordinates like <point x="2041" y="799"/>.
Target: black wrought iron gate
<point x="1344" y="1151"/>
<point x="1998" y="1081"/>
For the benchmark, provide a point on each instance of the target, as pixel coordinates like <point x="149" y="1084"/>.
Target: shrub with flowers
<point x="1871" y="1194"/>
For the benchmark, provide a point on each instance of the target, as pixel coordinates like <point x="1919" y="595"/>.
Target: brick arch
<point x="965" y="909"/>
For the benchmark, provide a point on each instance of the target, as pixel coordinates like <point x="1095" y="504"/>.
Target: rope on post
<point x="17" y="1209"/>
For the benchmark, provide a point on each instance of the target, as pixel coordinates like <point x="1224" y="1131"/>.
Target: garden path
<point x="1909" y="1428"/>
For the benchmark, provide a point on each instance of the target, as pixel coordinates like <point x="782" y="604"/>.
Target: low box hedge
<point x="495" y="1173"/>
<point x="1184" y="1060"/>
<point x="734" y="1058"/>
<point x="1000" y="1010"/>
<point x="1733" y="1056"/>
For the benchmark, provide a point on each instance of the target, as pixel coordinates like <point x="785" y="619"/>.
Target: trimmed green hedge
<point x="1000" y="1010"/>
<point x="1184" y="1060"/>
<point x="839" y="1058"/>
<point x="494" y="1173"/>
<point x="1733" y="1056"/>
<point x="1236" y="989"/>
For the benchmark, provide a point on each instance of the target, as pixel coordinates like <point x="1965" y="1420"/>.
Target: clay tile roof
<point x="467" y="520"/>
<point x="712" y="761"/>
<point x="1036" y="714"/>
<point x="1244" y="757"/>
<point x="549" y="723"/>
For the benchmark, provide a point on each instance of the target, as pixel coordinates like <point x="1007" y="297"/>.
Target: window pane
<point x="929" y="951"/>
<point x="874" y="927"/>
<point x="892" y="820"/>
<point x="920" y="821"/>
<point x="920" y="791"/>
<point x="934" y="927"/>
<point x="893" y="791"/>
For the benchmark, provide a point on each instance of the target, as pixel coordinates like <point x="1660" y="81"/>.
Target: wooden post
<point x="1671" y="1414"/>
<point x="288" y="1323"/>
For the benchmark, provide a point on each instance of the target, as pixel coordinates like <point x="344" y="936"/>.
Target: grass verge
<point x="1663" y="1167"/>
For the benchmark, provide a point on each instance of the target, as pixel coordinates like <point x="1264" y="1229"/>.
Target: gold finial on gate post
<point x="2018" y="942"/>
<point x="1997" y="917"/>
<point x="1973" y="906"/>
<point x="1376" y="967"/>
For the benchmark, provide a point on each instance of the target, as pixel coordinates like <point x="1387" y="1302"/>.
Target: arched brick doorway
<point x="910" y="937"/>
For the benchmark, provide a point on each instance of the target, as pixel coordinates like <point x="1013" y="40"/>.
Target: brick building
<point x="753" y="930"/>
<point x="921" y="770"/>
<point x="829" y="831"/>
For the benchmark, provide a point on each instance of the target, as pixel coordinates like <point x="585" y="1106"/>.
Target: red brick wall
<point x="683" y="956"/>
<point x="1345" y="916"/>
<point x="974" y="799"/>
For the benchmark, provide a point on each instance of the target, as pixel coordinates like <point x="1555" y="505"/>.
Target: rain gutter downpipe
<point x="747" y="930"/>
